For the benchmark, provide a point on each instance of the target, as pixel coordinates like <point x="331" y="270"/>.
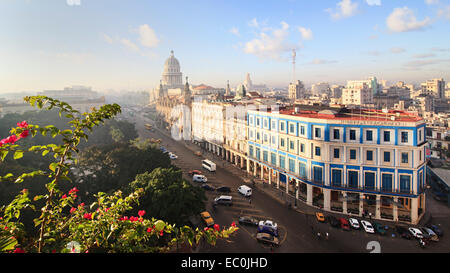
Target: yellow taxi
<point x="206" y="217"/>
<point x="320" y="217"/>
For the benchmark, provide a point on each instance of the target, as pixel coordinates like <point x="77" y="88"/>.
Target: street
<point x="297" y="231"/>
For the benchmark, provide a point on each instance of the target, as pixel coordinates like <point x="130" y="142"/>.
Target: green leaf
<point x="7" y="243"/>
<point x="53" y="166"/>
<point x="18" y="155"/>
<point x="3" y="154"/>
<point x="45" y="152"/>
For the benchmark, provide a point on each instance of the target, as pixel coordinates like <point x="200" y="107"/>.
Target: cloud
<point x="444" y="12"/>
<point x="147" y="36"/>
<point x="130" y="45"/>
<point x="373" y="37"/>
<point x="437" y="49"/>
<point x="270" y="45"/>
<point x="373" y="53"/>
<point x="107" y="38"/>
<point x="306" y="33"/>
<point x="418" y="64"/>
<point x="397" y="50"/>
<point x="253" y="23"/>
<point x="424" y="55"/>
<point x="235" y="31"/>
<point x="431" y="2"/>
<point x="321" y="61"/>
<point x="345" y="8"/>
<point x="403" y="20"/>
<point x="373" y="2"/>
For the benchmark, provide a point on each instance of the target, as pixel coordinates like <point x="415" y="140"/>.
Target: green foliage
<point x="62" y="220"/>
<point x="168" y="196"/>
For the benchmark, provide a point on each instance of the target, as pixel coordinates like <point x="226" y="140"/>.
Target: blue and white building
<point x="348" y="161"/>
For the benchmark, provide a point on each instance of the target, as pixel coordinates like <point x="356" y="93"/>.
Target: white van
<point x="245" y="190"/>
<point x="209" y="165"/>
<point x="199" y="178"/>
<point x="224" y="200"/>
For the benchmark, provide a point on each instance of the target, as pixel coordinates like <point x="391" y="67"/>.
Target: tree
<point x="112" y="167"/>
<point x="168" y="196"/>
<point x="65" y="223"/>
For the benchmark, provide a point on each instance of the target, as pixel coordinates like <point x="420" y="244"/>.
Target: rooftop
<point x="323" y="112"/>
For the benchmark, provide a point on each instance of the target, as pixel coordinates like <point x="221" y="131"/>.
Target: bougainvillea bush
<point x="64" y="222"/>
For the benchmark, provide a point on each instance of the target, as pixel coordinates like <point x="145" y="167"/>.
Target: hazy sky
<point x="118" y="44"/>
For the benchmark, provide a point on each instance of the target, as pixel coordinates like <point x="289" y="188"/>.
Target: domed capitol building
<point x="171" y="80"/>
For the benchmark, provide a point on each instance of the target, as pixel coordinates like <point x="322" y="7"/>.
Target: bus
<point x="209" y="165"/>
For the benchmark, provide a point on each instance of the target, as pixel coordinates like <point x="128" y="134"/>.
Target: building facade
<point x="368" y="164"/>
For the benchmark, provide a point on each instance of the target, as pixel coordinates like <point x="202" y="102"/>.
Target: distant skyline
<point x="122" y="45"/>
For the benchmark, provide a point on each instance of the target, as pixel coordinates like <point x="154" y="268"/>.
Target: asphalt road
<point x="297" y="231"/>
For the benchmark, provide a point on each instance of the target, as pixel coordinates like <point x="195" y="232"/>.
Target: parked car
<point x="403" y="231"/>
<point x="173" y="156"/>
<point x="247" y="220"/>
<point x="207" y="187"/>
<point x="224" y="200"/>
<point x="207" y="219"/>
<point x="379" y="228"/>
<point x="199" y="178"/>
<point x="269" y="224"/>
<point x="245" y="190"/>
<point x="436" y="230"/>
<point x="430" y="233"/>
<point x="320" y="217"/>
<point x="344" y="224"/>
<point x="267" y="239"/>
<point x="367" y="226"/>
<point x="268" y="230"/>
<point x="223" y="189"/>
<point x="191" y="173"/>
<point x="333" y="221"/>
<point x="416" y="232"/>
<point x="354" y="223"/>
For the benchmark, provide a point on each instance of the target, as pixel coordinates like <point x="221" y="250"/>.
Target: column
<point x="344" y="203"/>
<point x="254" y="168"/>
<point x="395" y="209"/>
<point x="378" y="207"/>
<point x="270" y="176"/>
<point x="326" y="199"/>
<point x="309" y="194"/>
<point x="262" y="172"/>
<point x="278" y="180"/>
<point x="248" y="165"/>
<point x="414" y="210"/>
<point x="361" y="204"/>
<point x="242" y="162"/>
<point x="287" y="184"/>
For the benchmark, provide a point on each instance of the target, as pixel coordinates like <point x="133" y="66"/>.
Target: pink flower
<point x="74" y="190"/>
<point x="149" y="229"/>
<point x="87" y="216"/>
<point x="11" y="139"/>
<point x="233" y="224"/>
<point x="141" y="213"/>
<point x="72" y="210"/>
<point x="216" y="227"/>
<point x="81" y="205"/>
<point x="22" y="124"/>
<point x="24" y="134"/>
<point x="206" y="229"/>
<point x="19" y="250"/>
<point x="64" y="196"/>
<point x="161" y="233"/>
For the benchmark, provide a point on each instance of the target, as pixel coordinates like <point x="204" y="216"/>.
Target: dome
<point x="172" y="65"/>
<point x="172" y="75"/>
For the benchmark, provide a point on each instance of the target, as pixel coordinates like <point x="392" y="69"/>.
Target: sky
<point x="122" y="45"/>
